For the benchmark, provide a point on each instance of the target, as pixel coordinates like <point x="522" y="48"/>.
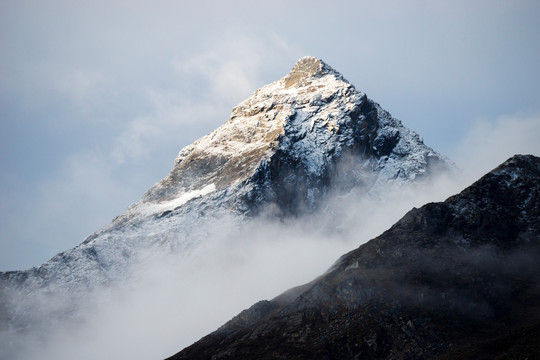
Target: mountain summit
<point x="287" y="147"/>
<point x="307" y="68"/>
<point x="284" y="145"/>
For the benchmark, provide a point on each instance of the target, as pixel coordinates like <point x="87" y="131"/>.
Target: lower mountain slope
<point x="458" y="279"/>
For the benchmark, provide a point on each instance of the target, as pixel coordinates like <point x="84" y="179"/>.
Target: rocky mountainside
<point x="285" y="148"/>
<point x="458" y="279"/>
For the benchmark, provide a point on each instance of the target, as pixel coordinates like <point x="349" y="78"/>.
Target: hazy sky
<point x="97" y="98"/>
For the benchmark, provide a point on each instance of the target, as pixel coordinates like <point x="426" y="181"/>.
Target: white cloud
<point x="234" y="68"/>
<point x="227" y="77"/>
<point x="130" y="144"/>
<point x="84" y="195"/>
<point x="488" y="143"/>
<point x="83" y="87"/>
<point x="172" y="123"/>
<point x="174" y="299"/>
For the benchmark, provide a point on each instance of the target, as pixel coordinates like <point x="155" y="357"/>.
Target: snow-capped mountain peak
<point x="288" y="146"/>
<point x="296" y="129"/>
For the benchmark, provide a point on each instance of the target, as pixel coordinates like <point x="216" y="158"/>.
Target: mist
<point x="170" y="300"/>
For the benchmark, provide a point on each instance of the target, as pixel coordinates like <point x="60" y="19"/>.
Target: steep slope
<point x="286" y="147"/>
<point x="458" y="279"/>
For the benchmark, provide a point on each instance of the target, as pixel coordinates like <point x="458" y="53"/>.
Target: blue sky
<point x="97" y="98"/>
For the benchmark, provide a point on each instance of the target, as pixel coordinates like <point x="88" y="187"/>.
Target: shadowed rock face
<point x="454" y="280"/>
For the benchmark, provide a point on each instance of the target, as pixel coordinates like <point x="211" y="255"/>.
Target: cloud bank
<point x="171" y="300"/>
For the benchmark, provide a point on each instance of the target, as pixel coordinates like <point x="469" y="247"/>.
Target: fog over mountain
<point x="264" y="202"/>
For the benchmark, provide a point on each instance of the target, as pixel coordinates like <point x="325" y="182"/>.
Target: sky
<point x="97" y="98"/>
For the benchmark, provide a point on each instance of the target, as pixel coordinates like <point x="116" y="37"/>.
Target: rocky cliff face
<point x="454" y="280"/>
<point x="286" y="147"/>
